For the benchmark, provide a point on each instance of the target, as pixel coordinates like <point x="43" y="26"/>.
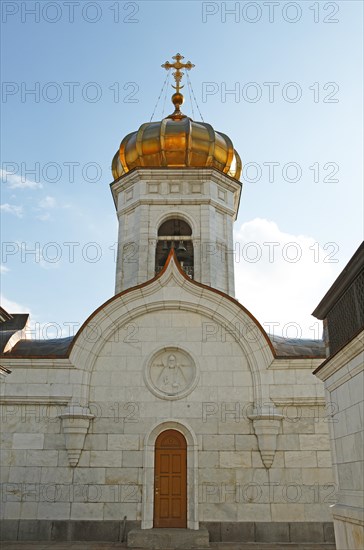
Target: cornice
<point x="342" y="358"/>
<point x="34" y="400"/>
<point x="176" y="202"/>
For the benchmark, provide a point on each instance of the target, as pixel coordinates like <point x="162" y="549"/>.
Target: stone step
<point x="270" y="546"/>
<point x="158" y="539"/>
<point x="254" y="546"/>
<point x="41" y="545"/>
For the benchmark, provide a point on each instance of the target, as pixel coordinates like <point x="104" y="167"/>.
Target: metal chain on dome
<point x="189" y="92"/>
<point x="165" y="95"/>
<point x="194" y="97"/>
<point x="156" y="105"/>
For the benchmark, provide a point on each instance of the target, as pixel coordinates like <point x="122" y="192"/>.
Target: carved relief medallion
<point x="171" y="373"/>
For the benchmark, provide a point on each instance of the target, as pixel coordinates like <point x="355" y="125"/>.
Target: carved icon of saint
<point x="172" y="380"/>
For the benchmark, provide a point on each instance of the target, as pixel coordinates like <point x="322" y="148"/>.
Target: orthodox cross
<point x="178" y="66"/>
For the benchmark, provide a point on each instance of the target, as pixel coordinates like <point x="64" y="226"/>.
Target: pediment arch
<point x="173" y="290"/>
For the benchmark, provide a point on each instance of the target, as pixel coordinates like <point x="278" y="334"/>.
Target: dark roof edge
<point x="4" y="315"/>
<point x="341" y="284"/>
<point x="15" y="324"/>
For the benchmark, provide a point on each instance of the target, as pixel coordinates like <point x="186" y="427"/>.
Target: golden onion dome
<point x="177" y="141"/>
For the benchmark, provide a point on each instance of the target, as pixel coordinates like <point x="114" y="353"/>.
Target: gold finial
<point x="177" y="98"/>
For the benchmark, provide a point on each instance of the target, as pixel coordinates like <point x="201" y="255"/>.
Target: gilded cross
<point x="178" y="66"/>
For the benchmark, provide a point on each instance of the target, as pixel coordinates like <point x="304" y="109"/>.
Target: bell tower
<point x="176" y="185"/>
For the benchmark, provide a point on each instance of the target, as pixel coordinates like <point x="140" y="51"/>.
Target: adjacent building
<point x="342" y="310"/>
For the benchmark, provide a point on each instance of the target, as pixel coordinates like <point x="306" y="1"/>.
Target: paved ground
<point x="116" y="545"/>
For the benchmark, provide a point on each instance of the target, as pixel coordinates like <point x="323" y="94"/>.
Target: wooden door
<point x="170" y="480"/>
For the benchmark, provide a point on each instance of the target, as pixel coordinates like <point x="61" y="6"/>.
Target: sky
<point x="282" y="79"/>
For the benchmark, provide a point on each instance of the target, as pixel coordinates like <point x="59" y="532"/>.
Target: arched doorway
<point x="170" y="480"/>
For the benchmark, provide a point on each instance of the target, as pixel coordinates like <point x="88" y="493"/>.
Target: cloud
<point x="12" y="209"/>
<point x="18" y="182"/>
<point x="36" y="328"/>
<point x="44" y="217"/>
<point x="47" y="203"/>
<point x="3" y="268"/>
<point x="282" y="277"/>
<point x="12" y="307"/>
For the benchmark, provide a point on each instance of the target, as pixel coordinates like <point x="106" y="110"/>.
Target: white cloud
<point x="44" y="217"/>
<point x="12" y="209"/>
<point x="281" y="277"/>
<point x="47" y="202"/>
<point x="3" y="268"/>
<point x="36" y="328"/>
<point x="18" y="182"/>
<point x="12" y="307"/>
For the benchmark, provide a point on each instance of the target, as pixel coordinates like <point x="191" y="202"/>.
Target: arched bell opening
<point x="177" y="234"/>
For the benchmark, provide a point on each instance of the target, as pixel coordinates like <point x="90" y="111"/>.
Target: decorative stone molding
<point x="34" y="400"/>
<point x="266" y="423"/>
<point x="75" y="423"/>
<point x="299" y="401"/>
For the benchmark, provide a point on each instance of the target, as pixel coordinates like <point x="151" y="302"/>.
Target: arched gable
<point x="173" y="290"/>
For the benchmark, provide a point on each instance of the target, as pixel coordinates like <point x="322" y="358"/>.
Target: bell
<point x="181" y="248"/>
<point x="165" y="246"/>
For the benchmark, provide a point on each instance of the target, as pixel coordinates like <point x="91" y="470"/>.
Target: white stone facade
<point x="168" y="353"/>
<point x="235" y="378"/>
